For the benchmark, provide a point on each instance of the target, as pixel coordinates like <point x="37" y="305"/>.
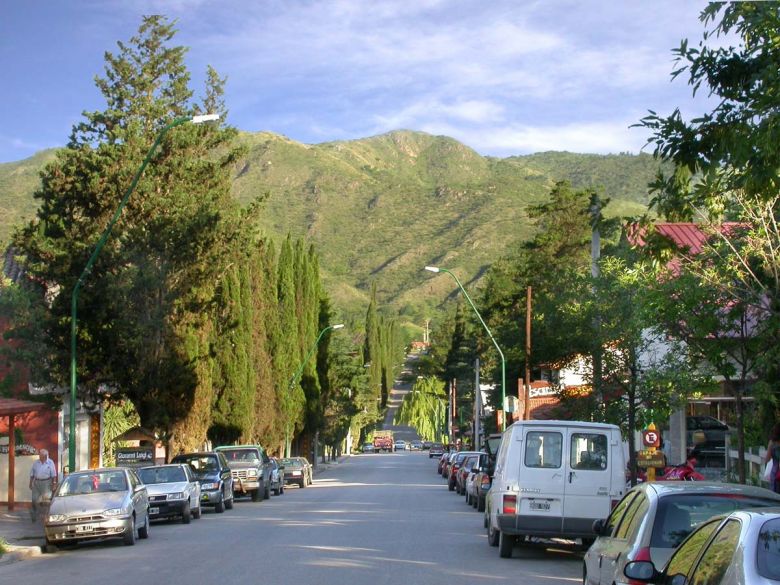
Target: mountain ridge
<point x="379" y="209"/>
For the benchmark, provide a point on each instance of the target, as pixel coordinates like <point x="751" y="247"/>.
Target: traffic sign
<point x="651" y="438"/>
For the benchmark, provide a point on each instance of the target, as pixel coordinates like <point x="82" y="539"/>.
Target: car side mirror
<point x="599" y="527"/>
<point x="641" y="571"/>
<point x="138" y="488"/>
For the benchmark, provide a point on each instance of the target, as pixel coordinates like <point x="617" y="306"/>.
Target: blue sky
<point x="503" y="76"/>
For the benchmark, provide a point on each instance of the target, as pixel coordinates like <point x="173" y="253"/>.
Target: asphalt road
<point x="377" y="518"/>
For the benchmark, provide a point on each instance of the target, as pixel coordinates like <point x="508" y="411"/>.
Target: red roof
<point x="687" y="236"/>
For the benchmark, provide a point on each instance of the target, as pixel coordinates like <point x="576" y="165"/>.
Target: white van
<point x="553" y="478"/>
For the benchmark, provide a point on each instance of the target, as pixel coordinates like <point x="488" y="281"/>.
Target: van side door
<point x="540" y="497"/>
<point x="588" y="479"/>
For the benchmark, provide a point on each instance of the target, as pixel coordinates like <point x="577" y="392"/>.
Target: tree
<point x="425" y="409"/>
<point x="726" y="161"/>
<point x="144" y="314"/>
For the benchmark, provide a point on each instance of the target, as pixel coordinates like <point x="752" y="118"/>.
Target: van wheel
<point x="492" y="534"/>
<point x="505" y="545"/>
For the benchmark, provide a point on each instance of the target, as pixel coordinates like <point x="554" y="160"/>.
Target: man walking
<point x="43" y="478"/>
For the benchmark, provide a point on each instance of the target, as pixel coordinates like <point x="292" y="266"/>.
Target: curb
<point x="19" y="553"/>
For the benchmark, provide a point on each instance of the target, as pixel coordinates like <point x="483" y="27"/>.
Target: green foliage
<point x="425" y="409"/>
<point x="117" y="418"/>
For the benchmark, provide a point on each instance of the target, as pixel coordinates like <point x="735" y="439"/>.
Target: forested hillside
<point x="379" y="209"/>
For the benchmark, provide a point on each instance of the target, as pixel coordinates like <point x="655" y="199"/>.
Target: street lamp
<point x="75" y="294"/>
<point x="500" y="353"/>
<point x="300" y="371"/>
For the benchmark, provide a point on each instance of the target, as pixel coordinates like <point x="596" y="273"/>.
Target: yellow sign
<point x="651" y="459"/>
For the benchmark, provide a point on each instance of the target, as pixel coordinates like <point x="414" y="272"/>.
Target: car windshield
<point x="291" y="463"/>
<point x="93" y="482"/>
<point x="678" y="515"/>
<point x="162" y="474"/>
<point x="200" y="464"/>
<point x="248" y="455"/>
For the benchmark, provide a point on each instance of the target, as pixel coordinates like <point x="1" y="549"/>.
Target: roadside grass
<point x="3" y="547"/>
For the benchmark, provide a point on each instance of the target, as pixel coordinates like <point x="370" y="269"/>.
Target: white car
<point x="399" y="445"/>
<point x="174" y="492"/>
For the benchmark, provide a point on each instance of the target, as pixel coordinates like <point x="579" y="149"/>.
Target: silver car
<point x="174" y="492"/>
<point x="742" y="548"/>
<point x="653" y="518"/>
<point x="98" y="503"/>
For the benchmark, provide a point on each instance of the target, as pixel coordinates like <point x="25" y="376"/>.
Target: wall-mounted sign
<point x="544" y="391"/>
<point x="134" y="456"/>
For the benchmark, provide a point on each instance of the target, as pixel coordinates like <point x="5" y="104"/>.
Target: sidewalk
<point x="23" y="538"/>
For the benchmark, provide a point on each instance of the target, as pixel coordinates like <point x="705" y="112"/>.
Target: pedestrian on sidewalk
<point x="43" y="479"/>
<point x="773" y="455"/>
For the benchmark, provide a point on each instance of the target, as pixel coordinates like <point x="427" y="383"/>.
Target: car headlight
<point x="252" y="473"/>
<point x="114" y="512"/>
<point x="296" y="472"/>
<point x="175" y="496"/>
<point x="56" y="518"/>
<point x="209" y="486"/>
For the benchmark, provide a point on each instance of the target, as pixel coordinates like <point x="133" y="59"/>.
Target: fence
<point x="754" y="464"/>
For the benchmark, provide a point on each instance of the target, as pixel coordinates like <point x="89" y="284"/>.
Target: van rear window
<point x="588" y="451"/>
<point x="543" y="449"/>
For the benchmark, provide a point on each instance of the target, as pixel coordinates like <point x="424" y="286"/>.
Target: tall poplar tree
<point x="144" y="307"/>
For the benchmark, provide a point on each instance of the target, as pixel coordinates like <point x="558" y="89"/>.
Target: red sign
<point x="651" y="438"/>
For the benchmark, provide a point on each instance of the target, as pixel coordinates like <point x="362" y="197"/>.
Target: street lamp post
<point x="75" y="294"/>
<point x="298" y="373"/>
<point x="500" y="353"/>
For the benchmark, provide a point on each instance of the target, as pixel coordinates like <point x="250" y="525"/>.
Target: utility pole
<point x="477" y="431"/>
<point x="527" y="393"/>
<point x="595" y="255"/>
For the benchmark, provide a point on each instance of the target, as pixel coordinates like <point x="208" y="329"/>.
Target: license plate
<point x="541" y="506"/>
<point x="154" y="510"/>
<point x="85" y="528"/>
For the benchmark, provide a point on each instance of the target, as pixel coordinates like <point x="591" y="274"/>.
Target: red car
<point x="463" y="472"/>
<point x="455" y="465"/>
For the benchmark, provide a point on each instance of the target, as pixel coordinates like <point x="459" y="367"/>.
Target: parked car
<point x="98" y="503"/>
<point x="708" y="435"/>
<point x="416" y="446"/>
<point x="742" y="548"/>
<point x="447" y="460"/>
<point x="654" y="518"/>
<point x="471" y="481"/>
<point x="553" y="479"/>
<point x="251" y="469"/>
<point x="399" y="445"/>
<point x="216" y="480"/>
<point x="368" y="448"/>
<point x="277" y="477"/>
<point x="174" y="491"/>
<point x="463" y="472"/>
<point x="435" y="450"/>
<point x="308" y="469"/>
<point x="426" y="445"/>
<point x="295" y="471"/>
<point x="454" y="466"/>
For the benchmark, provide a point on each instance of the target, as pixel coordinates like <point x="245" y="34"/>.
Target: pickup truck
<point x="383" y="441"/>
<point x="251" y="469"/>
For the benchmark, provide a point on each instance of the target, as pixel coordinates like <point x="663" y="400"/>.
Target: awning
<point x="9" y="406"/>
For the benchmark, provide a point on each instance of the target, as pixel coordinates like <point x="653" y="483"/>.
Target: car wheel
<point x="267" y="492"/>
<point x="231" y="500"/>
<point x="197" y="512"/>
<point x="277" y="491"/>
<point x="281" y="488"/>
<point x="480" y="504"/>
<point x="451" y="486"/>
<point x="130" y="535"/>
<point x="256" y="495"/>
<point x="302" y="483"/>
<point x="186" y="514"/>
<point x="492" y="534"/>
<point x="220" y="506"/>
<point x="143" y="532"/>
<point x="505" y="545"/>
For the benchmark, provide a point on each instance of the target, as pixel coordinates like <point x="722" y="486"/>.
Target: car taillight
<point x="510" y="504"/>
<point x="485" y="480"/>
<point x="614" y="503"/>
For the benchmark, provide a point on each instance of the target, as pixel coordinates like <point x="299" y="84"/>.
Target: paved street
<point x="379" y="519"/>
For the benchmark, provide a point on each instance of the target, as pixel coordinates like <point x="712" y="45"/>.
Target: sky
<point x="504" y="77"/>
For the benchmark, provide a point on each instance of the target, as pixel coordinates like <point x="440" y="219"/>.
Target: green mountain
<point x="379" y="209"/>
